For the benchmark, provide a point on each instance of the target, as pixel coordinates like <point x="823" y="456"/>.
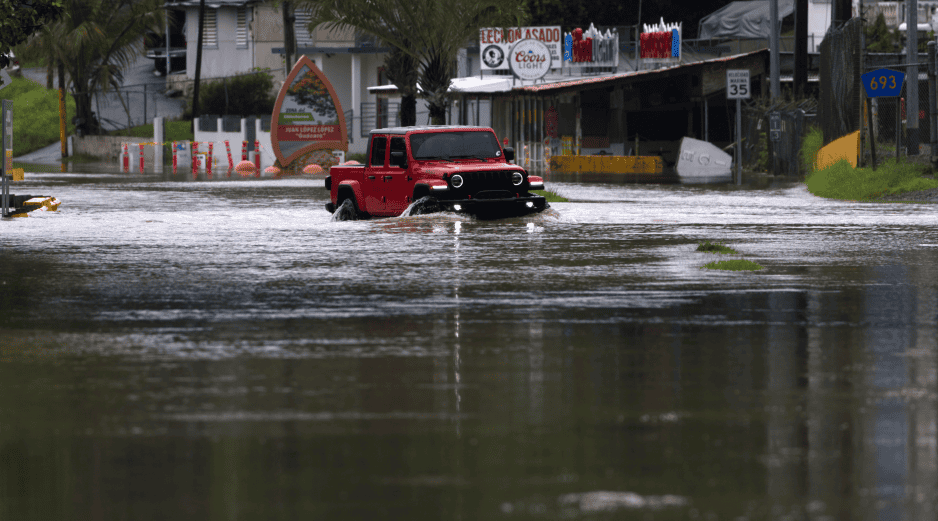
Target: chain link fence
<point x="845" y="107"/>
<point x="133" y="105"/>
<point x="840" y="89"/>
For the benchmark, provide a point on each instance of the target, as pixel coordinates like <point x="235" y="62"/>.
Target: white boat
<point x="702" y="162"/>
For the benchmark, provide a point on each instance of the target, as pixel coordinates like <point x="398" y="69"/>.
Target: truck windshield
<point x="454" y="145"/>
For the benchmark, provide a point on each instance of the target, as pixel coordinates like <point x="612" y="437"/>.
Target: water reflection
<point x="220" y="350"/>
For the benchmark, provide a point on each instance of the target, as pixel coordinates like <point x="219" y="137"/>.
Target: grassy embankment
<point x="842" y="181"/>
<point x="35" y="114"/>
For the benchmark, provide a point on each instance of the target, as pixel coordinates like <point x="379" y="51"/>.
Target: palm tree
<point x="429" y="31"/>
<point x="401" y="69"/>
<point x="95" y="40"/>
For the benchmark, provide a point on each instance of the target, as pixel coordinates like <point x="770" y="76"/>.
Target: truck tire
<point x="423" y="206"/>
<point x="347" y="210"/>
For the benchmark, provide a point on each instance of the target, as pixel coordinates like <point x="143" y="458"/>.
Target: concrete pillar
<point x="911" y="87"/>
<point x="159" y="135"/>
<point x="356" y="85"/>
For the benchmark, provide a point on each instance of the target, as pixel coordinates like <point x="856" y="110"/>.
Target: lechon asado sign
<point x="496" y="42"/>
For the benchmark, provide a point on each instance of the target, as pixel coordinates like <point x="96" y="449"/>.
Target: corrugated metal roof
<point x="211" y="4"/>
<point x="632" y="74"/>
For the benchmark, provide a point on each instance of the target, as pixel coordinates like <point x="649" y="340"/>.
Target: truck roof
<point x="404" y="130"/>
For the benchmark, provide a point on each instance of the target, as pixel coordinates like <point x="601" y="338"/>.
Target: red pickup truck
<point x="459" y="169"/>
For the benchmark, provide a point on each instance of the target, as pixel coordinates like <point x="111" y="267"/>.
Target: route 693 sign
<point x="882" y="83"/>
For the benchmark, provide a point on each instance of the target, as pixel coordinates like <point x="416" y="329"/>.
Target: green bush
<point x="35" y="114"/>
<point x="173" y="130"/>
<point x="812" y="142"/>
<point x="248" y="95"/>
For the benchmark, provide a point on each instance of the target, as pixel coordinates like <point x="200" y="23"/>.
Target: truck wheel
<point x="346" y="211"/>
<point x="424" y="205"/>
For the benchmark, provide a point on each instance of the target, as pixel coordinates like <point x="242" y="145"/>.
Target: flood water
<point x="218" y="349"/>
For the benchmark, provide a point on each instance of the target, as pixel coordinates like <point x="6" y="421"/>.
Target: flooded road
<point x="218" y="349"/>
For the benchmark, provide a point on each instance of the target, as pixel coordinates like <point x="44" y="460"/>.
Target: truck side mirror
<point x="509" y="154"/>
<point x="399" y="158"/>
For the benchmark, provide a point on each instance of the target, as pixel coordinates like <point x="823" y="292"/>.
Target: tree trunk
<point x="402" y="70"/>
<point x="198" y="65"/>
<point x="437" y="112"/>
<point x="61" y="67"/>
<point x="408" y="110"/>
<point x="435" y="80"/>
<point x="289" y="39"/>
<point x="85" y="122"/>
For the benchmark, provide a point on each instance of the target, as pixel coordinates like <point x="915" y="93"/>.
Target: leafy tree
<point x="430" y="31"/>
<point x="21" y="18"/>
<point x="245" y="95"/>
<point x="95" y="40"/>
<point x="879" y="38"/>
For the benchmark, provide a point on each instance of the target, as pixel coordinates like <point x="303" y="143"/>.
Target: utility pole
<point x="911" y="86"/>
<point x="289" y="38"/>
<point x="198" y="65"/>
<point x="774" y="88"/>
<point x="801" y="48"/>
<point x="638" y="34"/>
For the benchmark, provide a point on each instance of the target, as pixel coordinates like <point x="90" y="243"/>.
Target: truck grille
<point x="490" y="180"/>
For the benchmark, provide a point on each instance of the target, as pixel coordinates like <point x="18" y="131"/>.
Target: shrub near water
<point x="35" y="114"/>
<point x="812" y="142"/>
<point x="842" y="181"/>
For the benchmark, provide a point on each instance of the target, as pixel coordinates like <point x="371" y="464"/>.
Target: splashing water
<point x="422" y="206"/>
<point x="345" y="212"/>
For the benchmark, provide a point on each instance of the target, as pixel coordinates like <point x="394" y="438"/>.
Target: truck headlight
<point x="517" y="178"/>
<point x="456" y="180"/>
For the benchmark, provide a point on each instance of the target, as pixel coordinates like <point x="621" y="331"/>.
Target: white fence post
<point x="158" y="137"/>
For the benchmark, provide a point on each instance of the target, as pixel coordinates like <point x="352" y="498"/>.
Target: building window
<point x="209" y="30"/>
<point x="241" y="32"/>
<point x="301" y="29"/>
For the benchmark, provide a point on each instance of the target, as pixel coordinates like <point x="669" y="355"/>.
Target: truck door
<point x="373" y="184"/>
<point x="397" y="185"/>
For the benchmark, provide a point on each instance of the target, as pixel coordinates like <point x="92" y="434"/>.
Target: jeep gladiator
<point x="459" y="169"/>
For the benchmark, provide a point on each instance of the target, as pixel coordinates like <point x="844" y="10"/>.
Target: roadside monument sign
<point x="307" y="115"/>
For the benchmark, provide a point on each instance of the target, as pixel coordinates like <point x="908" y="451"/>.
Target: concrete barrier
<point x="846" y="148"/>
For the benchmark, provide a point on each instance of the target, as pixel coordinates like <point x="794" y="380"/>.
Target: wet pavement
<point x="174" y="348"/>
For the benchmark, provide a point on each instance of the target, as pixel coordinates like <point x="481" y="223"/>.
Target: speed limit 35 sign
<point x="737" y="84"/>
